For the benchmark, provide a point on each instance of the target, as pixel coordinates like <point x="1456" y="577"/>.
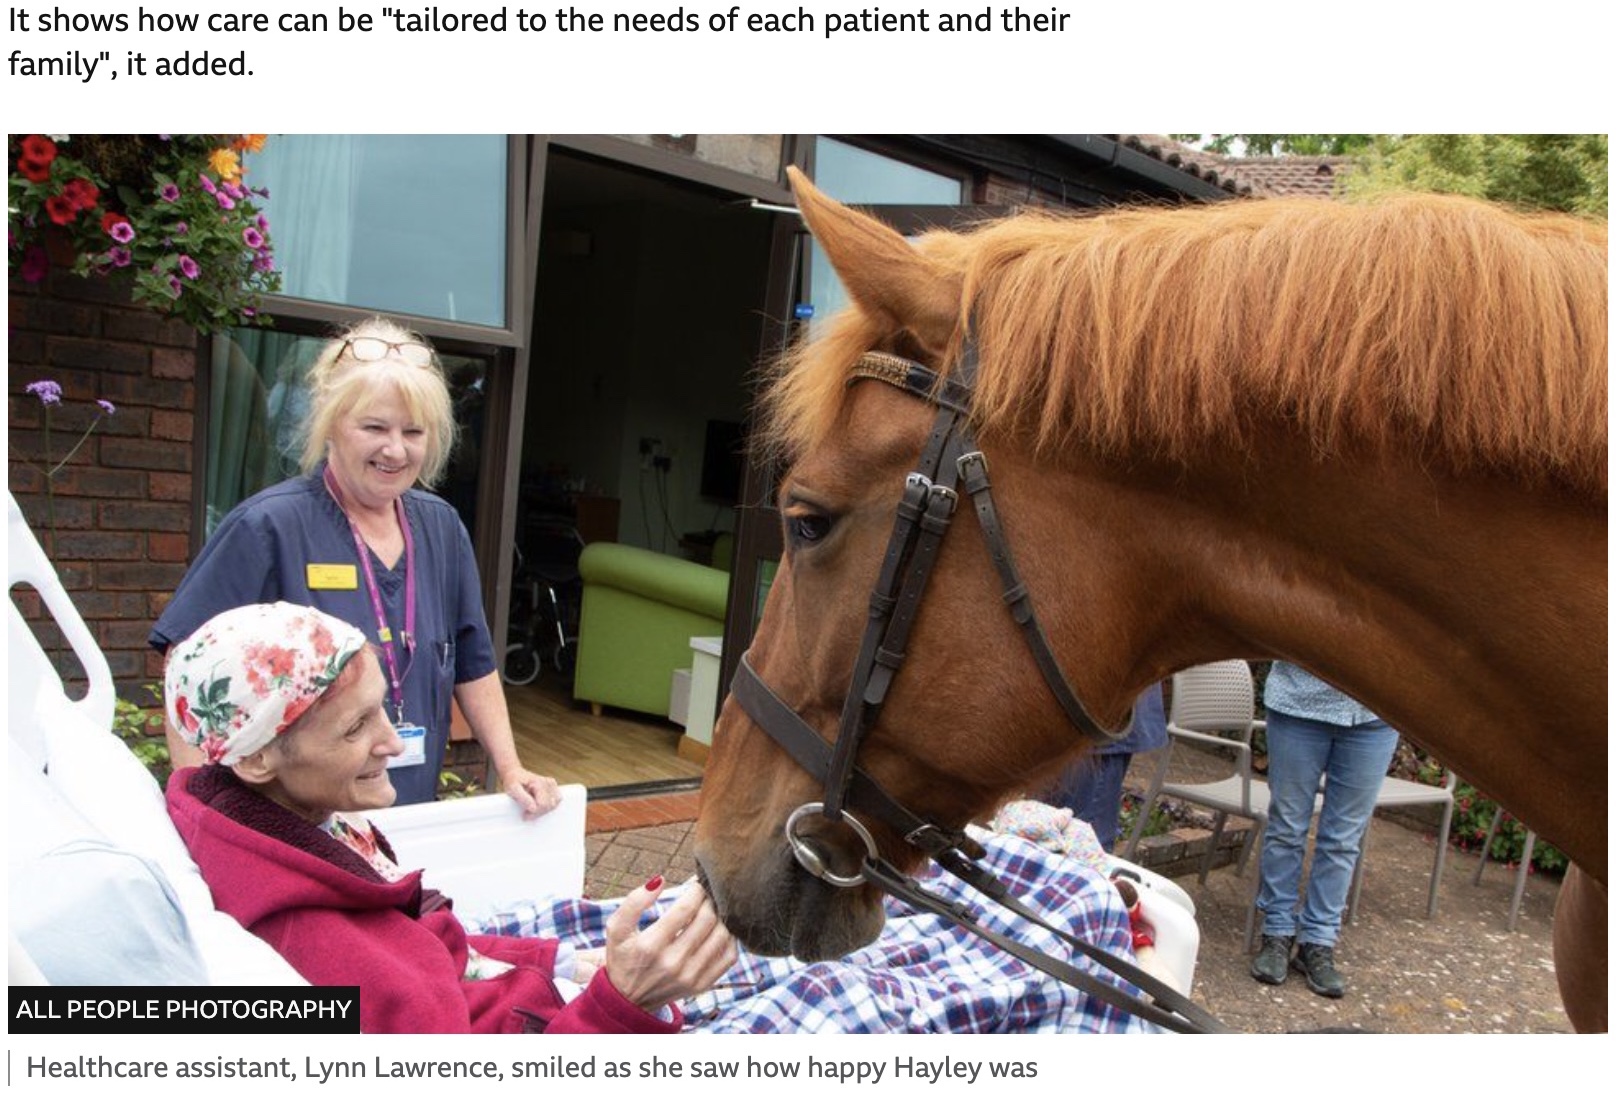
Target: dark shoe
<point x="1270" y="964"/>
<point x="1317" y="962"/>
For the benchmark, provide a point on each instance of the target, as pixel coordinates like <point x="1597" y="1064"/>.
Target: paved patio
<point x="1460" y="972"/>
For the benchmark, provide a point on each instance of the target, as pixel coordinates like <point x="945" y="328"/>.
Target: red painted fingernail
<point x="655" y="884"/>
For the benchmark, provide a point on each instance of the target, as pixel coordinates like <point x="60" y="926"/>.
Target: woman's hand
<point x="536" y="793"/>
<point x="681" y="953"/>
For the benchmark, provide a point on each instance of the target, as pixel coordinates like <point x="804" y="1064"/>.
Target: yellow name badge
<point x="328" y="575"/>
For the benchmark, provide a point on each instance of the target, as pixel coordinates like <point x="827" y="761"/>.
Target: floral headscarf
<point x="248" y="674"/>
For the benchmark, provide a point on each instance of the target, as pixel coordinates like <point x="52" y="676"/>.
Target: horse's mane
<point x="1473" y="334"/>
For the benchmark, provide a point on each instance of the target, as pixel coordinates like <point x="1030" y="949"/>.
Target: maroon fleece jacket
<point x="339" y="923"/>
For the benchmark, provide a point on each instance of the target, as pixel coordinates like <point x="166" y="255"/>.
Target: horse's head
<point x="968" y="719"/>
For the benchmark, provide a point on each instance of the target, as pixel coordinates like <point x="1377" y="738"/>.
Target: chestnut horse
<point x="1369" y="438"/>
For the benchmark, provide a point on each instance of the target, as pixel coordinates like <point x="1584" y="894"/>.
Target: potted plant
<point x="174" y="212"/>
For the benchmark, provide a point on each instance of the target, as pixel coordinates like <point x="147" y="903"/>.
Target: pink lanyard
<point x="384" y="633"/>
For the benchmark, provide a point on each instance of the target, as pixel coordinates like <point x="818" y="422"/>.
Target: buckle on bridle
<point x="809" y="856"/>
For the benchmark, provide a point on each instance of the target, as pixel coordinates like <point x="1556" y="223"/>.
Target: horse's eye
<point x="809" y="529"/>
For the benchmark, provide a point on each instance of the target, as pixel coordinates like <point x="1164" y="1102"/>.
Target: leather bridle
<point x="949" y="462"/>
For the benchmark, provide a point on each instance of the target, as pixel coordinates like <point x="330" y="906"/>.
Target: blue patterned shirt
<point x="1295" y="692"/>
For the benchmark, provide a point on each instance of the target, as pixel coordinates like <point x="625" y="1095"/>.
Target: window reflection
<point x="401" y="223"/>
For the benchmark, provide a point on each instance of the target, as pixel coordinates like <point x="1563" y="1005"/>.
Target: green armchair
<point x="640" y="610"/>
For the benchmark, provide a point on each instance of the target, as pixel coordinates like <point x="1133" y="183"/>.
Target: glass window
<point x="259" y="402"/>
<point x="399" y="223"/>
<point x="856" y="176"/>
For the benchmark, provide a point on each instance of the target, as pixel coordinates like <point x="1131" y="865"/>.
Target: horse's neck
<point x="1471" y="615"/>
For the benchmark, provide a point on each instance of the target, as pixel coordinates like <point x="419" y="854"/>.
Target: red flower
<point x="182" y="709"/>
<point x="81" y="192"/>
<point x="37" y="172"/>
<point x="61" y="210"/>
<point x="39" y="149"/>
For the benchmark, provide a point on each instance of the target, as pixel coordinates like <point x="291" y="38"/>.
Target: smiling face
<point x="334" y="759"/>
<point x="376" y="449"/>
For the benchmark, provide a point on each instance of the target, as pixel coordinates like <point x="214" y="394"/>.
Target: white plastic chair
<point x="1398" y="793"/>
<point x="1213" y="698"/>
<point x="1522" y="870"/>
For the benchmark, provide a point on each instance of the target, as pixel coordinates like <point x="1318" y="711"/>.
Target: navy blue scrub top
<point x="263" y="551"/>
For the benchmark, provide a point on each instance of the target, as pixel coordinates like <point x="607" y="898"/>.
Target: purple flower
<point x="182" y="228"/>
<point x="48" y="392"/>
<point x="169" y="193"/>
<point x="224" y="200"/>
<point x="174" y="286"/>
<point x="107" y="406"/>
<point x="36" y="263"/>
<point x="207" y="183"/>
<point x="120" y="256"/>
<point x="189" y="267"/>
<point x="263" y="263"/>
<point x="252" y="238"/>
<point x="262" y="224"/>
<point x="234" y="190"/>
<point x="122" y="231"/>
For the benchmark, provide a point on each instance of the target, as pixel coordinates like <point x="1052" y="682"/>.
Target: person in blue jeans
<point x="1092" y="784"/>
<point x="1315" y="731"/>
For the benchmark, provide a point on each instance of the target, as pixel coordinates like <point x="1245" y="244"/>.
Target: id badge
<point x="415" y="746"/>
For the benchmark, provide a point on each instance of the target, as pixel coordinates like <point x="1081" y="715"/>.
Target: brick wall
<point x="123" y="504"/>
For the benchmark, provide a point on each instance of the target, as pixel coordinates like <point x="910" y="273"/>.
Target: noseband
<point x="950" y="461"/>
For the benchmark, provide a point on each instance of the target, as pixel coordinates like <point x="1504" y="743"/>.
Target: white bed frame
<point x="478" y="850"/>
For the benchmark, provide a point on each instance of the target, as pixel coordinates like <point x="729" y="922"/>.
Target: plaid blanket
<point x="921" y="975"/>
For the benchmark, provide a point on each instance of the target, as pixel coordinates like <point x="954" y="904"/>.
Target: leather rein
<point x="949" y="462"/>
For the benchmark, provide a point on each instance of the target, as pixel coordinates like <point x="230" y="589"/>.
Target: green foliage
<point x="1167" y="815"/>
<point x="1560" y="173"/>
<point x="1270" y="145"/>
<point x="452" y="786"/>
<point x="171" y="210"/>
<point x="142" y="729"/>
<point x="1473" y="813"/>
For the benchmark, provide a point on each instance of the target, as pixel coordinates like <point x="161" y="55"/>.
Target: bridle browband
<point x="949" y="461"/>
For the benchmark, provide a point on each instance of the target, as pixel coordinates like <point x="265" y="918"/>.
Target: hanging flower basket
<point x="172" y="211"/>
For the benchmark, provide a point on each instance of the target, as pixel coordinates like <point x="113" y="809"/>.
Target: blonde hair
<point x="338" y="385"/>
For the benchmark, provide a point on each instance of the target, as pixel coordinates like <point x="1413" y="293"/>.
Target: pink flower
<point x="207" y="183"/>
<point x="119" y="255"/>
<point x="36" y="263"/>
<point x="173" y="287"/>
<point x="224" y="200"/>
<point x="189" y="267"/>
<point x="252" y="237"/>
<point x="169" y="193"/>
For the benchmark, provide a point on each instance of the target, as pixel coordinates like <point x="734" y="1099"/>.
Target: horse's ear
<point x="883" y="273"/>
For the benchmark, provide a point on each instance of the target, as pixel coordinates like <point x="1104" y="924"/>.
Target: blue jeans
<point x="1353" y="760"/>
<point x="1092" y="787"/>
